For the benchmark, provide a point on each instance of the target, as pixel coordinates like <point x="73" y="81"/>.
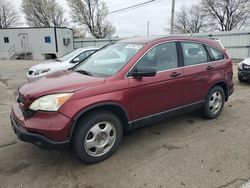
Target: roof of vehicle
<point x="146" y="40"/>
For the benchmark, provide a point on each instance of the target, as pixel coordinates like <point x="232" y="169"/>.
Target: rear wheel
<point x="214" y="102"/>
<point x="97" y="136"/>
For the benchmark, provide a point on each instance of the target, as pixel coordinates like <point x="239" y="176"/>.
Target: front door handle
<point x="175" y="74"/>
<point x="210" y="67"/>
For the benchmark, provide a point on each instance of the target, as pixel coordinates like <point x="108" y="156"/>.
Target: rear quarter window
<point x="215" y="54"/>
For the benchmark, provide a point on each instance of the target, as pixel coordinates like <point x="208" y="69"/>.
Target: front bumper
<point x="244" y="74"/>
<point x="37" y="139"/>
<point x="48" y="130"/>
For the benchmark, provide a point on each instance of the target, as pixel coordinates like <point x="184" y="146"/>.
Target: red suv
<point x="122" y="86"/>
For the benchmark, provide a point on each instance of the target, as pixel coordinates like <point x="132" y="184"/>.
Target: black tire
<point x="241" y="79"/>
<point x="207" y="109"/>
<point x="84" y="127"/>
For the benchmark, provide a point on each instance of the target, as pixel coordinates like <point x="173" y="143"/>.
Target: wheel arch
<point x="112" y="107"/>
<point x="223" y="84"/>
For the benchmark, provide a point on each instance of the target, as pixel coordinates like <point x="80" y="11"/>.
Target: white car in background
<point x="244" y="70"/>
<point x="63" y="63"/>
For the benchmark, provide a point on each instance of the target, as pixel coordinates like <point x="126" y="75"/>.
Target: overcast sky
<point x="133" y="22"/>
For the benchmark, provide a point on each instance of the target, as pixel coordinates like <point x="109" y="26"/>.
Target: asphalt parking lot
<point x="186" y="151"/>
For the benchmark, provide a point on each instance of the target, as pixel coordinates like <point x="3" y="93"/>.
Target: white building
<point x="35" y="42"/>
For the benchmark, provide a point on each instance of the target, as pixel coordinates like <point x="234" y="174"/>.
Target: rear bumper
<point x="38" y="139"/>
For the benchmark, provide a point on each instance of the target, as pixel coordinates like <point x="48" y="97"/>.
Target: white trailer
<point x="35" y="42"/>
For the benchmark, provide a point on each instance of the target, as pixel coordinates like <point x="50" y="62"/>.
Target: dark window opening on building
<point x="47" y="39"/>
<point x="66" y="41"/>
<point x="6" y="40"/>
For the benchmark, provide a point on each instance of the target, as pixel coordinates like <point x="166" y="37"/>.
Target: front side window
<point x="69" y="55"/>
<point x="214" y="54"/>
<point x="193" y="53"/>
<point x="109" y="60"/>
<point x="84" y="55"/>
<point x="161" y="57"/>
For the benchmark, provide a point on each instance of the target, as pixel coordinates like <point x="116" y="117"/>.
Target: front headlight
<point x="41" y="71"/>
<point x="50" y="102"/>
<point x="240" y="67"/>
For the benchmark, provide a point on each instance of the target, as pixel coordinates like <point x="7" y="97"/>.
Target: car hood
<point x="51" y="64"/>
<point x="61" y="81"/>
<point x="246" y="61"/>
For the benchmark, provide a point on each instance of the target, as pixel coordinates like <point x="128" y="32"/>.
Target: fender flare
<point x="91" y="107"/>
<point x="217" y="83"/>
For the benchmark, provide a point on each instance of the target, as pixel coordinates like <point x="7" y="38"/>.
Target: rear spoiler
<point x="219" y="42"/>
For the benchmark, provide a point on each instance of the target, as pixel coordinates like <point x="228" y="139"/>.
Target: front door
<point x="161" y="93"/>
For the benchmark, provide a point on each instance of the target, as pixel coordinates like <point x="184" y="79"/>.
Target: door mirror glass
<point x="144" y="72"/>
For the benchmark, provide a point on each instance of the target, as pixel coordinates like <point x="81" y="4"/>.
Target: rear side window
<point x="215" y="55"/>
<point x="193" y="53"/>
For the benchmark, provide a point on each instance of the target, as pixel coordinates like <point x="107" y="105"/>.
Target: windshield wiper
<point x="83" y="72"/>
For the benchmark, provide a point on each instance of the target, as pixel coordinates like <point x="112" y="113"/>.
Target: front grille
<point x="20" y="99"/>
<point x="30" y="72"/>
<point x="28" y="113"/>
<point x="246" y="67"/>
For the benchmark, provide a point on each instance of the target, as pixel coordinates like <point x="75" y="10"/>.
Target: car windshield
<point x="109" y="60"/>
<point x="69" y="56"/>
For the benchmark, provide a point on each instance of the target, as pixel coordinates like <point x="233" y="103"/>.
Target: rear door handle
<point x="175" y="74"/>
<point x="210" y="67"/>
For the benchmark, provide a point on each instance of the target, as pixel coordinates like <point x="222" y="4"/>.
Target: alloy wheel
<point x="215" y="102"/>
<point x="100" y="139"/>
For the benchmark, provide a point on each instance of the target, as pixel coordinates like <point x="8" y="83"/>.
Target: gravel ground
<point x="186" y="151"/>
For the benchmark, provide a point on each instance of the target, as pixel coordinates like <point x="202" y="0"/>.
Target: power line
<point x="117" y="5"/>
<point x="133" y="6"/>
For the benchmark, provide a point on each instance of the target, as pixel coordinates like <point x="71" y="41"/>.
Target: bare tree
<point x="92" y="15"/>
<point x="228" y="14"/>
<point x="78" y="32"/>
<point x="43" y="13"/>
<point x="190" y="20"/>
<point x="8" y="14"/>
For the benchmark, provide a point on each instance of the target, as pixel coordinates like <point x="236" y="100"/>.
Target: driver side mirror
<point x="144" y="72"/>
<point x="75" y="60"/>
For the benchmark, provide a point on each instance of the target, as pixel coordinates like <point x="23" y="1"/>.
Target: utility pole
<point x="148" y="28"/>
<point x="172" y="17"/>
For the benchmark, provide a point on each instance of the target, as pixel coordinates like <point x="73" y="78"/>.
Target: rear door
<point x="196" y="72"/>
<point x="164" y="91"/>
<point x="203" y="66"/>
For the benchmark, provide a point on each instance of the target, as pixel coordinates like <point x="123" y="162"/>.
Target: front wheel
<point x="97" y="136"/>
<point x="214" y="102"/>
